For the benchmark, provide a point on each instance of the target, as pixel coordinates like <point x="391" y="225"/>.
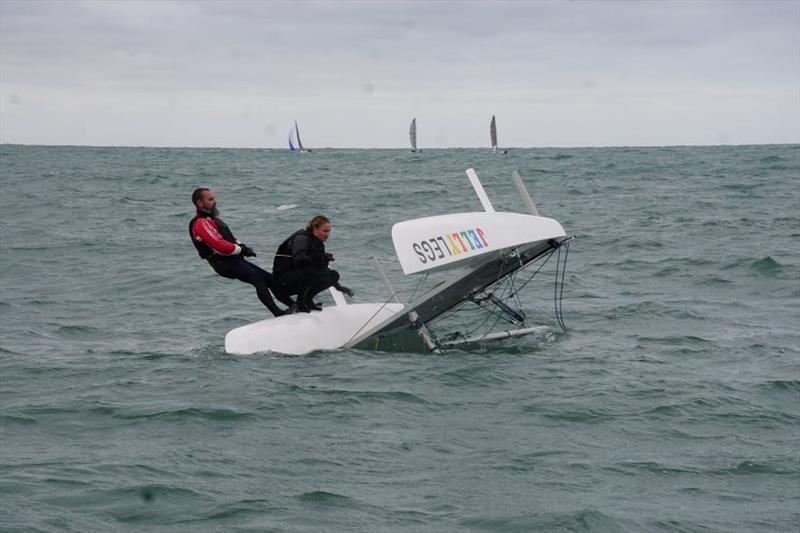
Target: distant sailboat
<point x="412" y="134"/>
<point x="295" y="134"/>
<point x="493" y="135"/>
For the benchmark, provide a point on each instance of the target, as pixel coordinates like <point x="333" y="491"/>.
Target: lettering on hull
<point x="451" y="244"/>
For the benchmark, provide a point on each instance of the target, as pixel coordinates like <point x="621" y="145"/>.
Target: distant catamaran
<point x="412" y="134"/>
<point x="493" y="136"/>
<point x="295" y="133"/>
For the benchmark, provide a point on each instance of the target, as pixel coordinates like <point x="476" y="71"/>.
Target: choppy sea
<point x="672" y="404"/>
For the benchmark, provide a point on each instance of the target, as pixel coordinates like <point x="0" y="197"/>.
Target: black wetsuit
<point x="301" y="268"/>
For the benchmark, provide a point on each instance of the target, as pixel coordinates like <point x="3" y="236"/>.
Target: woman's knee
<point x="332" y="277"/>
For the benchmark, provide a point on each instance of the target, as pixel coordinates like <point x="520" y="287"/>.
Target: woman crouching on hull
<point x="301" y="265"/>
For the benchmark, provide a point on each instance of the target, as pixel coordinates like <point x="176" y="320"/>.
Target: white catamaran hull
<point x="302" y="333"/>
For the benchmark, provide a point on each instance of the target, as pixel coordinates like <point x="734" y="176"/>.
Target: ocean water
<point x="671" y="404"/>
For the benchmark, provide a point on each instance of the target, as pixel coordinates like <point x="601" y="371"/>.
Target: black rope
<point x="547" y="258"/>
<point x="558" y="292"/>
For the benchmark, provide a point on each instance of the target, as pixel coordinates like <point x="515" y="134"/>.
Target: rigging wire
<point x="503" y="285"/>
<point x="547" y="258"/>
<point x="416" y="288"/>
<point x="558" y="294"/>
<point x="507" y="290"/>
<point x="370" y="318"/>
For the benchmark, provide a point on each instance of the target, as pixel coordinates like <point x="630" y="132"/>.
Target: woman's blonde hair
<point x="317" y="221"/>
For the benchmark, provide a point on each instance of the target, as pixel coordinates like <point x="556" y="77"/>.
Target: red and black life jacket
<point x="203" y="249"/>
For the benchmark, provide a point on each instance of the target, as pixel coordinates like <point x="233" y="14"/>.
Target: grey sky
<point x="561" y="73"/>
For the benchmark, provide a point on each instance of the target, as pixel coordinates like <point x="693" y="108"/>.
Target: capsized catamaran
<point x="295" y="134"/>
<point x="412" y="134"/>
<point x="483" y="253"/>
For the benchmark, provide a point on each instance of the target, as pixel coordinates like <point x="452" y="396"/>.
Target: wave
<point x="650" y="309"/>
<point x="236" y="509"/>
<point x="781" y="385"/>
<point x="630" y="263"/>
<point x="740" y="468"/>
<point x="16" y="419"/>
<point x="363" y="395"/>
<point x="590" y="416"/>
<point x="217" y="415"/>
<point x="151" y="492"/>
<point x="576" y="521"/>
<point x="77" y="329"/>
<point x="743" y="187"/>
<point x="557" y="157"/>
<point x="667" y="272"/>
<point x="652" y="467"/>
<point x="677" y="340"/>
<point x="765" y="265"/>
<point x="713" y="281"/>
<point x="323" y="497"/>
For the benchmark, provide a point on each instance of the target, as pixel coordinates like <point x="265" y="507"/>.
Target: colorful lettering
<point x="466" y="238"/>
<point x="463" y="248"/>
<point x="482" y="236"/>
<point x="453" y="245"/>
<point x="475" y="238"/>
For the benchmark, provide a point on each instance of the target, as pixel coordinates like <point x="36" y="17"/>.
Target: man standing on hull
<point x="215" y="243"/>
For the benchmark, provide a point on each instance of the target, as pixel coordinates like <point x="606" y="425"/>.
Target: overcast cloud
<point x="353" y="74"/>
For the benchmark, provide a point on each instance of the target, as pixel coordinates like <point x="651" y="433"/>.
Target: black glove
<point x="247" y="251"/>
<point x="345" y="290"/>
<point x="329" y="257"/>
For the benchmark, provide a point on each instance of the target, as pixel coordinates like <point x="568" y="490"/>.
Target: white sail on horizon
<point x="412" y="133"/>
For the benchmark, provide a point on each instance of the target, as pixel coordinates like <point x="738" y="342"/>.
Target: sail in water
<point x="493" y="134"/>
<point x="299" y="142"/>
<point x="412" y="134"/>
<point x="291" y="144"/>
<point x="294" y="136"/>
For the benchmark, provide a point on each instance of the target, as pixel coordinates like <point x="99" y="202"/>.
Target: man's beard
<point x="213" y="211"/>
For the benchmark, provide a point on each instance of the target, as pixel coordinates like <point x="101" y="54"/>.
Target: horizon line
<point x="283" y="149"/>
